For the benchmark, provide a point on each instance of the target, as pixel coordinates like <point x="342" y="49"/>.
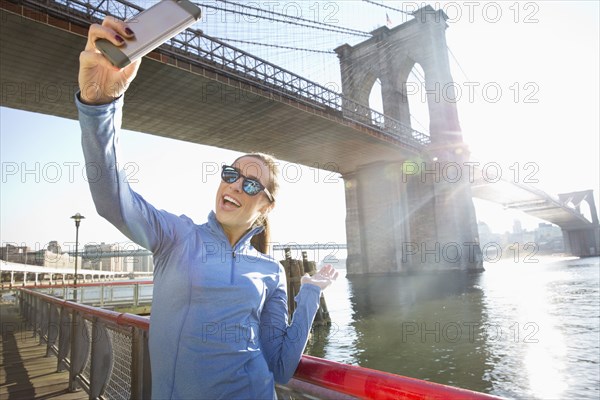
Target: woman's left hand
<point x="323" y="278"/>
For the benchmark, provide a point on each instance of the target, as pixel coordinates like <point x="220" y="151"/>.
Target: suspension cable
<point x="276" y="46"/>
<point x="350" y="30"/>
<point x="336" y="30"/>
<point x="457" y="63"/>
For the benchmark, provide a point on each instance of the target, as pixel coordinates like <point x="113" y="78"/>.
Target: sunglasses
<point x="250" y="186"/>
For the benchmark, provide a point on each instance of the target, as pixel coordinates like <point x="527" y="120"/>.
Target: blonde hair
<point x="261" y="241"/>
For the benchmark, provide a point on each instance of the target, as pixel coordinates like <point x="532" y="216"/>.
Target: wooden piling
<point x="294" y="270"/>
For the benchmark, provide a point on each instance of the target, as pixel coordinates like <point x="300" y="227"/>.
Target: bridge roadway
<point x="193" y="100"/>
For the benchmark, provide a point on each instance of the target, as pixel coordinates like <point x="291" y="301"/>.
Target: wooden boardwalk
<point x="25" y="371"/>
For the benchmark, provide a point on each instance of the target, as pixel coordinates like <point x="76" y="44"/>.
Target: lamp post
<point x="77" y="217"/>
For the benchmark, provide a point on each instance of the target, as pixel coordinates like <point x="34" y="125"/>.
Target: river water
<point x="524" y="330"/>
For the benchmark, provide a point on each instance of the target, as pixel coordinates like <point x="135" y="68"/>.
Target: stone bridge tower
<point x="417" y="214"/>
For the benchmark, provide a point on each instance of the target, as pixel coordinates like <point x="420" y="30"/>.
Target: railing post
<point x="141" y="380"/>
<point x="21" y="303"/>
<point x="80" y="349"/>
<point x="24" y="306"/>
<point x="44" y="320"/>
<point x="64" y="338"/>
<point x="101" y="296"/>
<point x="29" y="310"/>
<point x="136" y="294"/>
<point x="102" y="359"/>
<point x="72" y="381"/>
<point x="34" y="318"/>
<point x="53" y="327"/>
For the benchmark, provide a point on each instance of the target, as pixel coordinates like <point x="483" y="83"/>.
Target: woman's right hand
<point x="99" y="81"/>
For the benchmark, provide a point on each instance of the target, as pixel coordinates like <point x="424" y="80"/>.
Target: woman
<point x="219" y="326"/>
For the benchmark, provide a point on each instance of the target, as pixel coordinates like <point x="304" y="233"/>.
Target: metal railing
<point x="104" y="295"/>
<point x="194" y="46"/>
<point x="106" y="354"/>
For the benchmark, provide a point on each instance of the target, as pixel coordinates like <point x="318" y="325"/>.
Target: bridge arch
<point x="390" y="55"/>
<point x="391" y="216"/>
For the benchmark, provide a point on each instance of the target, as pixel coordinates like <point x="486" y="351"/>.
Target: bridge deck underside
<point x="38" y="73"/>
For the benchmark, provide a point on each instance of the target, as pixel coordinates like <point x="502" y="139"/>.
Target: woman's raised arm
<point x="100" y="105"/>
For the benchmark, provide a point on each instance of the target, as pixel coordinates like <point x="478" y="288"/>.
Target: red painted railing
<point x="350" y="380"/>
<point x="366" y="383"/>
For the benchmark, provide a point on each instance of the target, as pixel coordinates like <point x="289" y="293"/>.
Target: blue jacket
<point x="219" y="326"/>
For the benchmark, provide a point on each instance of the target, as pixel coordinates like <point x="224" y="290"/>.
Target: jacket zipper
<point x="232" y="266"/>
<point x="242" y="240"/>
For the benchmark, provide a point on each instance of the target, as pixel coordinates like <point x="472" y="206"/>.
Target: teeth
<point x="232" y="200"/>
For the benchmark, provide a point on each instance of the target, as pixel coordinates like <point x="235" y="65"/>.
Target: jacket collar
<point x="217" y="229"/>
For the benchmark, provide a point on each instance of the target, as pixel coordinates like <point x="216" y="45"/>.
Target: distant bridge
<point x="311" y="246"/>
<point x="581" y="231"/>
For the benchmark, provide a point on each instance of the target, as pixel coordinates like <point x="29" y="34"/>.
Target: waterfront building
<point x="97" y="257"/>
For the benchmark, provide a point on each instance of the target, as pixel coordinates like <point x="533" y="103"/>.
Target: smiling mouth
<point x="231" y="200"/>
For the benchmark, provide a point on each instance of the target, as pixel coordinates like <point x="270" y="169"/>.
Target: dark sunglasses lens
<point x="251" y="187"/>
<point x="229" y="175"/>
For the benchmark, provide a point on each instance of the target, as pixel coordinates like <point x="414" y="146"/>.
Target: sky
<point x="528" y="84"/>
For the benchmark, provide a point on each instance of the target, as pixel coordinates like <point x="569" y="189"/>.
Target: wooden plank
<point x="25" y="371"/>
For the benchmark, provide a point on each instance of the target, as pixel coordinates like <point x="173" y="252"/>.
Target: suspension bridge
<point x="203" y="89"/>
